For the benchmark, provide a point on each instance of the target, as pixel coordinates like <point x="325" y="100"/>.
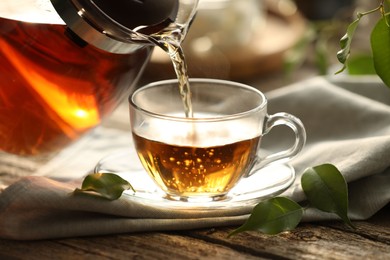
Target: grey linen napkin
<point x="347" y="123"/>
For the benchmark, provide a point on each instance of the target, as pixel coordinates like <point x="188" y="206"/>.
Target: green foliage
<point x="380" y="45"/>
<point x="104" y="185"/>
<point x="320" y="35"/>
<point x="321" y="56"/>
<point x="362" y="64"/>
<point x="385" y="11"/>
<point x="296" y="55"/>
<point x="345" y="44"/>
<point x="325" y="189"/>
<point x="324" y="186"/>
<point x="272" y="217"/>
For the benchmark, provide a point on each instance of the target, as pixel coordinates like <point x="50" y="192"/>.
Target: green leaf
<point x="345" y="44"/>
<point x="361" y="65"/>
<point x="272" y="217"/>
<point x="386" y="10"/>
<point x="105" y="185"/>
<point x="326" y="189"/>
<point x="380" y="45"/>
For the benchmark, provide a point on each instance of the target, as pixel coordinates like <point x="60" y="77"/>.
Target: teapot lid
<point x="109" y="25"/>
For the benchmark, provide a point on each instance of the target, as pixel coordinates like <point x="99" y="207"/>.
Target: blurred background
<point x="248" y="40"/>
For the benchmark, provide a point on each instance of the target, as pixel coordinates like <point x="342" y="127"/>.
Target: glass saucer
<point x="265" y="183"/>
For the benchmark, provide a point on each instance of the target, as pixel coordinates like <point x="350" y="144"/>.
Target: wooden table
<point x="330" y="240"/>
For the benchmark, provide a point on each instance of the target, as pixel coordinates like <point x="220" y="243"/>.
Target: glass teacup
<point x="201" y="158"/>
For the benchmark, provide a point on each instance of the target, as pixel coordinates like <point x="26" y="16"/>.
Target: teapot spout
<point x="122" y="26"/>
<point x="186" y="14"/>
<point x="173" y="30"/>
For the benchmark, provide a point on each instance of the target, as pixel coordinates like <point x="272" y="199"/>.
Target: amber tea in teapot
<point x="59" y="79"/>
<point x="51" y="91"/>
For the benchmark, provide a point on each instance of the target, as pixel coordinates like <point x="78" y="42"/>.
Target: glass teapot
<point x="66" y="64"/>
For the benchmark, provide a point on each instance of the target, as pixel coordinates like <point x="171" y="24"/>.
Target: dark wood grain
<point x="323" y="240"/>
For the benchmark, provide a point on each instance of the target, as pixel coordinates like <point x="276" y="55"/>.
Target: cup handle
<point x="300" y="138"/>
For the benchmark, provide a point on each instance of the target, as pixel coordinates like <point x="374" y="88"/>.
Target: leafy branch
<point x="346" y="40"/>
<point x="380" y="42"/>
<point x="322" y="34"/>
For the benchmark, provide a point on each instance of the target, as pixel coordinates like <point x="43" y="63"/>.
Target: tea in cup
<point x="202" y="157"/>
